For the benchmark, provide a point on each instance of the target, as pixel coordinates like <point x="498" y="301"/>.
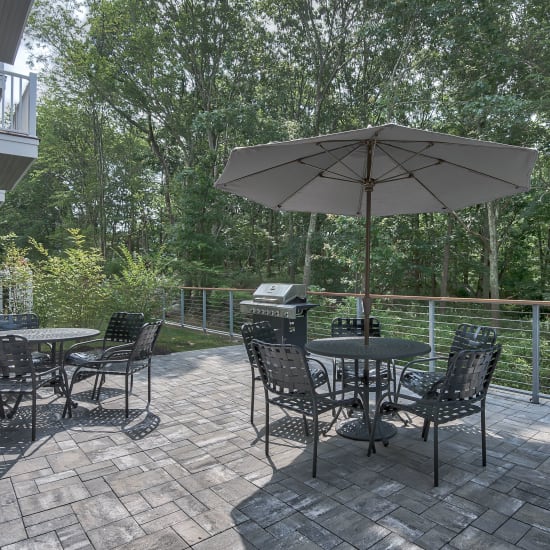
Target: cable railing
<point x="523" y="326"/>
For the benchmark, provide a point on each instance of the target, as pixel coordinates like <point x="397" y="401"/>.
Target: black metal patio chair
<point x="263" y="330"/>
<point x="21" y="376"/>
<point x="417" y="379"/>
<point x="352" y="372"/>
<point x="122" y="361"/>
<point x="121" y="332"/>
<point x="14" y="321"/>
<point x="461" y="392"/>
<point x="286" y="374"/>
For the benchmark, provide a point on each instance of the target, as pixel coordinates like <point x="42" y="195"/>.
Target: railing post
<point x="231" y="313"/>
<point x="359" y="307"/>
<point x="536" y="353"/>
<point x="204" y="309"/>
<point x="431" y="331"/>
<point x="182" y="307"/>
<point x="32" y="104"/>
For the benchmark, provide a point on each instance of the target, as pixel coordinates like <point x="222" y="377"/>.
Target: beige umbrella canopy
<point x="377" y="171"/>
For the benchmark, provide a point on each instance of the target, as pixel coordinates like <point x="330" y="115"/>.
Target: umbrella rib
<point x="412" y="174"/>
<point x="324" y="172"/>
<point x="439" y="160"/>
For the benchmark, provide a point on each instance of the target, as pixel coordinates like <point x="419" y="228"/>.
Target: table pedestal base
<point x="357" y="428"/>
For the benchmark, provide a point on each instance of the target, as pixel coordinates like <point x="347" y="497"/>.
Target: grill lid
<point x="279" y="293"/>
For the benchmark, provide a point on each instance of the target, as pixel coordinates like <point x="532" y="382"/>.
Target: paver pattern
<point x="190" y="472"/>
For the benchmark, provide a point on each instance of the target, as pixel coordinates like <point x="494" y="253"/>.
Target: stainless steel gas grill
<point x="285" y="306"/>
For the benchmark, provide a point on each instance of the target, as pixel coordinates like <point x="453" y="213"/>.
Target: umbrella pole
<point x="366" y="298"/>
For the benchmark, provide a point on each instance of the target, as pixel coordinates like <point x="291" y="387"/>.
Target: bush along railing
<point x="523" y="326"/>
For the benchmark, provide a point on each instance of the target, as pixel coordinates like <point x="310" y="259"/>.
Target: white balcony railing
<point x="17" y="103"/>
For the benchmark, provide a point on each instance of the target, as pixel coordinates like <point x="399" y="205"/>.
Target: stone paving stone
<point x="139" y="482"/>
<point x="223" y="541"/>
<point x="435" y="538"/>
<point x="490" y="521"/>
<point x="451" y="517"/>
<point x="314" y="532"/>
<point x="73" y="537"/>
<point x="74" y="458"/>
<point x="115" y="534"/>
<point x="472" y="538"/>
<point x="265" y="509"/>
<point x="407" y="523"/>
<point x="53" y="524"/>
<point x="99" y="510"/>
<point x="11" y="531"/>
<point x="52" y="499"/>
<point x="512" y="531"/>
<point x="487" y="497"/>
<point x="352" y="527"/>
<point x="164" y="521"/>
<point x="535" y="539"/>
<point x="48" y="541"/>
<point x="255" y="535"/>
<point x="191" y="532"/>
<point x="161" y="540"/>
<point x="395" y="542"/>
<point x="191" y="505"/>
<point x="535" y="516"/>
<point x="371" y="505"/>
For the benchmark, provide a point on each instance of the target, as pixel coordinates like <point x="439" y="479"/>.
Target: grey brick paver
<point x="191" y="473"/>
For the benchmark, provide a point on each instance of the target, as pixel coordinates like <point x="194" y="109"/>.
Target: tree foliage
<point x="143" y="100"/>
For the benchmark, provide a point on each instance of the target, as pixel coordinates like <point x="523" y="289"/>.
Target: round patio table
<point x="53" y="336"/>
<point x="378" y="350"/>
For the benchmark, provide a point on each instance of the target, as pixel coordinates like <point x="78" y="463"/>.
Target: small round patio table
<point x="53" y="336"/>
<point x="378" y="350"/>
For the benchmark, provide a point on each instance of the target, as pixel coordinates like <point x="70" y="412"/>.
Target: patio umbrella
<point x="377" y="171"/>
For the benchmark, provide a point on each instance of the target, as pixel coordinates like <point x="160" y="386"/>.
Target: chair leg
<point x="68" y="402"/>
<point x="436" y="455"/>
<point x="266" y="426"/>
<point x="483" y="436"/>
<point x="306" y="430"/>
<point x="315" y="442"/>
<point x="126" y="396"/>
<point x="426" y="429"/>
<point x="149" y="383"/>
<point x="252" y="398"/>
<point x="33" y="426"/>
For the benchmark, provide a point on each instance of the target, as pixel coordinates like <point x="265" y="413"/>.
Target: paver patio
<point x="191" y="473"/>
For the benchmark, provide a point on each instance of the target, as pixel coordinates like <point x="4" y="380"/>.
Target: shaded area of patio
<point x="191" y="472"/>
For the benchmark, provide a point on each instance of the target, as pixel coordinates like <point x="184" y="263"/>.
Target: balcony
<point x="18" y="141"/>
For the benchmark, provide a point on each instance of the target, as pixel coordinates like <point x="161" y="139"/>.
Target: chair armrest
<point x="424" y="361"/>
<point x="310" y="360"/>
<point x="116" y="352"/>
<point x="76" y="346"/>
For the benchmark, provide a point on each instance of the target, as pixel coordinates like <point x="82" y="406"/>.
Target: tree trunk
<point x="307" y="260"/>
<point x="492" y="214"/>
<point x="444" y="291"/>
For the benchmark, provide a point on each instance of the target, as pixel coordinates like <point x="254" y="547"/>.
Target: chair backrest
<point x="15" y="357"/>
<point x="469" y="374"/>
<point x="123" y="327"/>
<point x="10" y="321"/>
<point x="262" y="330"/>
<point x="354" y="326"/>
<point x="145" y="341"/>
<point x="283" y="368"/>
<point x="472" y="337"/>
